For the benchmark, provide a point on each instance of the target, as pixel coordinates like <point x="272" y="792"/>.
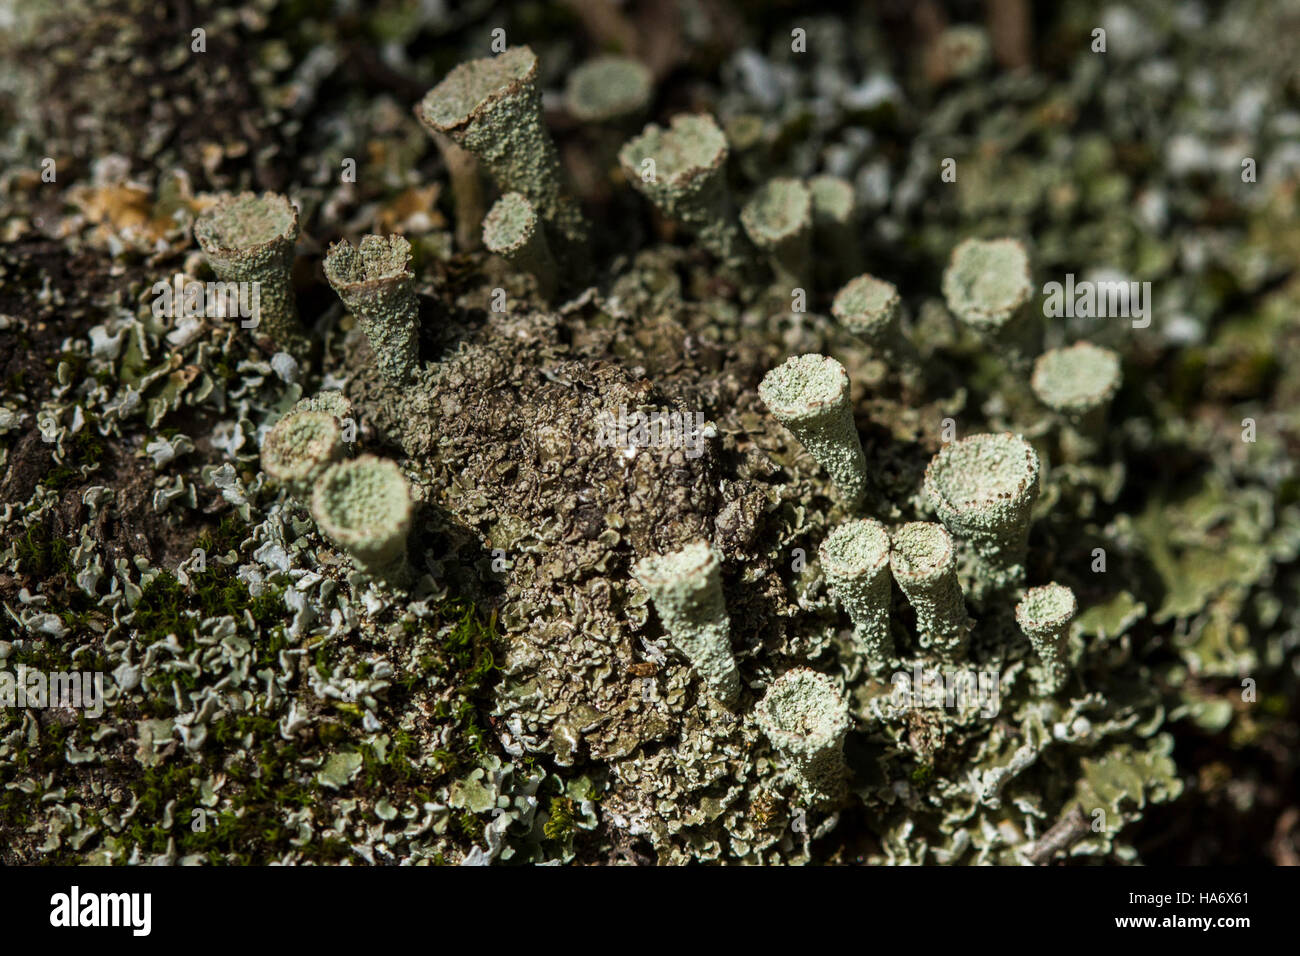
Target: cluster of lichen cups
<point x="362" y="504"/>
<point x="487" y="113"/>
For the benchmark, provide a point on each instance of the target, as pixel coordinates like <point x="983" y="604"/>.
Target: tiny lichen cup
<point x="251" y="238"/>
<point x="855" y="560"/>
<point x="364" y="506"/>
<point x="1044" y="615"/>
<point x="300" y="447"/>
<point x="686" y="589"/>
<point x="809" y="395"/>
<point x="682" y="171"/>
<point x="493" y="107"/>
<point x="868" y="308"/>
<point x="1078" y="383"/>
<point x="925" y="566"/>
<point x="805" y="717"/>
<point x="608" y="89"/>
<point x="376" y="284"/>
<point x="983" y="489"/>
<point x="835" y="233"/>
<point x="778" y="220"/>
<point x="988" y="288"/>
<point x="513" y="231"/>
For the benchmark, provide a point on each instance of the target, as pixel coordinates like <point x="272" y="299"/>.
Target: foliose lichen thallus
<point x="855" y="560"/>
<point x="1044" y="616"/>
<point x="376" y="284"/>
<point x="806" y="719"/>
<point x="809" y="395"/>
<point x="686" y="588"/>
<point x="925" y="566"/>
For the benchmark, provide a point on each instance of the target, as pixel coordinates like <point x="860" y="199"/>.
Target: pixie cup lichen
<point x="300" y="447"/>
<point x="805" y="717"/>
<point x="778" y="220"/>
<point x="682" y="171"/>
<point x="686" y="588"/>
<point x="513" y="231"/>
<point x="855" y="560"/>
<point x="835" y="234"/>
<point x="251" y="238"/>
<point x="984" y="488"/>
<point x="364" y="506"/>
<point x="608" y="89"/>
<point x="1044" y="615"/>
<point x="925" y="566"/>
<point x="987" y="287"/>
<point x="869" y="308"/>
<point x="809" y="395"/>
<point x="1078" y="383"/>
<point x="376" y="284"/>
<point x="493" y="108"/>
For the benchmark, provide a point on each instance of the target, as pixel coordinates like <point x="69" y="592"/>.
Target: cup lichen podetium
<point x="925" y="566"/>
<point x="251" y="238"/>
<point x="686" y="588"/>
<point x="806" y="718"/>
<point x="855" y="560"/>
<point x="364" y="506"/>
<point x="809" y="395"/>
<point x="376" y="284"/>
<point x="984" y="488"/>
<point x="1044" y="614"/>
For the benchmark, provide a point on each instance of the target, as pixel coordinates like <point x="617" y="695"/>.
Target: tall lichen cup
<point x="493" y="108"/>
<point x="1044" y="615"/>
<point x="984" y="488"/>
<point x="686" y="588"/>
<point x="377" y="285"/>
<point x="809" y="395"/>
<point x="925" y="567"/>
<point x="364" y="506"/>
<point x="682" y="171"/>
<point x="855" y="560"/>
<point x="251" y="238"/>
<point x="987" y="287"/>
<point x="869" y="308"/>
<point x="1078" y="383"/>
<point x="778" y="220"/>
<point x="806" y="719"/>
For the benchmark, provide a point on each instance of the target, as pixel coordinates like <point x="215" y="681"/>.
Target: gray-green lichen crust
<point x="493" y="108"/>
<point x="809" y="395"/>
<point x="682" y="170"/>
<point x="376" y="284"/>
<point x="364" y="506"/>
<point x="984" y="488"/>
<point x="686" y="588"/>
<point x="805" y="717"/>
<point x="1044" y="614"/>
<point x="855" y="560"/>
<point x="925" y="566"/>
<point x="251" y="238"/>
